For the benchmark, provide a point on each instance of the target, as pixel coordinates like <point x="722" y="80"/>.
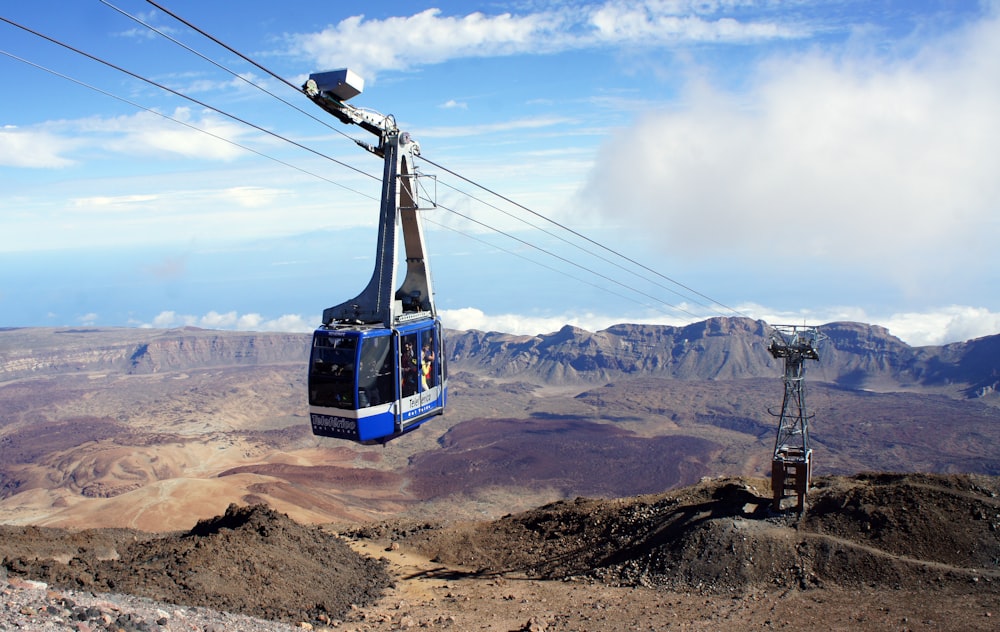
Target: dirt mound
<point x="252" y="561"/>
<point x="891" y="531"/>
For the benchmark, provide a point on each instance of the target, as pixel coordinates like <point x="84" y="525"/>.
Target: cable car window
<point x="441" y="370"/>
<point x="331" y="379"/>
<point x="428" y="361"/>
<point x="375" y="374"/>
<point x="442" y="358"/>
<point x="408" y="367"/>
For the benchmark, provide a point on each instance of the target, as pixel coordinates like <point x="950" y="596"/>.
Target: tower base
<point x="791" y="473"/>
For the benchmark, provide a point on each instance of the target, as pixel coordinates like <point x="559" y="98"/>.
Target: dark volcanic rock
<point x="879" y="531"/>
<point x="251" y="560"/>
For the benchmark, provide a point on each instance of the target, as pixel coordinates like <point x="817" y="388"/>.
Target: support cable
<point x="287" y="164"/>
<point x="582" y="236"/>
<point x="533" y="261"/>
<point x="159" y="32"/>
<point x="184" y="123"/>
<point x="182" y="95"/>
<point x="572" y="263"/>
<point x="571" y="243"/>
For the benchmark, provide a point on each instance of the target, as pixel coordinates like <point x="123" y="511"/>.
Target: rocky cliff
<point x="31" y="352"/>
<point x="718" y="348"/>
<point x="852" y="355"/>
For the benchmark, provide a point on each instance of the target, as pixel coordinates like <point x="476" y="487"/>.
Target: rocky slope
<point x="872" y="552"/>
<point x="721" y="536"/>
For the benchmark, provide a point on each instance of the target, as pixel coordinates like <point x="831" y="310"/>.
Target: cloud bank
<point x="935" y="327"/>
<point x="230" y="321"/>
<point x="837" y="155"/>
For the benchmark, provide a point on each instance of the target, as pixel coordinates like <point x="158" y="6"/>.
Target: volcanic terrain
<point x="579" y="481"/>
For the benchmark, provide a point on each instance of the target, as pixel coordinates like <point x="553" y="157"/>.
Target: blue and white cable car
<point x="377" y="367"/>
<point x="370" y="385"/>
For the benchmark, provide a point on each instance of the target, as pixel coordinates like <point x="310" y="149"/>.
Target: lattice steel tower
<point x="791" y="466"/>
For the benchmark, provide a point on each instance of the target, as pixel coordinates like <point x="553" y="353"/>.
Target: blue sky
<point x="796" y="161"/>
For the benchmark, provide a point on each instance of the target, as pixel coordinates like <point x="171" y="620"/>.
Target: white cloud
<point x="950" y="324"/>
<point x="242" y="83"/>
<point x="932" y="327"/>
<point x="429" y="37"/>
<point x="656" y="22"/>
<point x="142" y="134"/>
<point x="112" y="203"/>
<point x="34" y="149"/>
<point x="940" y="326"/>
<point x="398" y="43"/>
<point x="529" y="325"/>
<point x="890" y="162"/>
<point x="164" y="320"/>
<point x="149" y="134"/>
<point x="143" y="33"/>
<point x="251" y="197"/>
<point x="513" y="125"/>
<point x="232" y="321"/>
<point x="232" y="198"/>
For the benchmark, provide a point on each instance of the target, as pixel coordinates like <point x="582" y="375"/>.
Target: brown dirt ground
<point x="871" y="552"/>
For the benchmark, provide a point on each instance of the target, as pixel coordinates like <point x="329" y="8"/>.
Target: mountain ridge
<point x="853" y="355"/>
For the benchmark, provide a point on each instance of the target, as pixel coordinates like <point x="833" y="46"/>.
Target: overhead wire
<point x="582" y="236"/>
<point x="572" y="263"/>
<point x="181" y="122"/>
<point x="535" y="262"/>
<point x="222" y="67"/>
<point x="567" y="241"/>
<point x="297" y="144"/>
<point x="182" y="95"/>
<point x="232" y="50"/>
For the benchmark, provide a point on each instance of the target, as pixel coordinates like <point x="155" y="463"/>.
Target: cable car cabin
<point x="372" y="384"/>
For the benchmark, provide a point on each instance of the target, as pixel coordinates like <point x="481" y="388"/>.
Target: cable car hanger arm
<point x="331" y="91"/>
